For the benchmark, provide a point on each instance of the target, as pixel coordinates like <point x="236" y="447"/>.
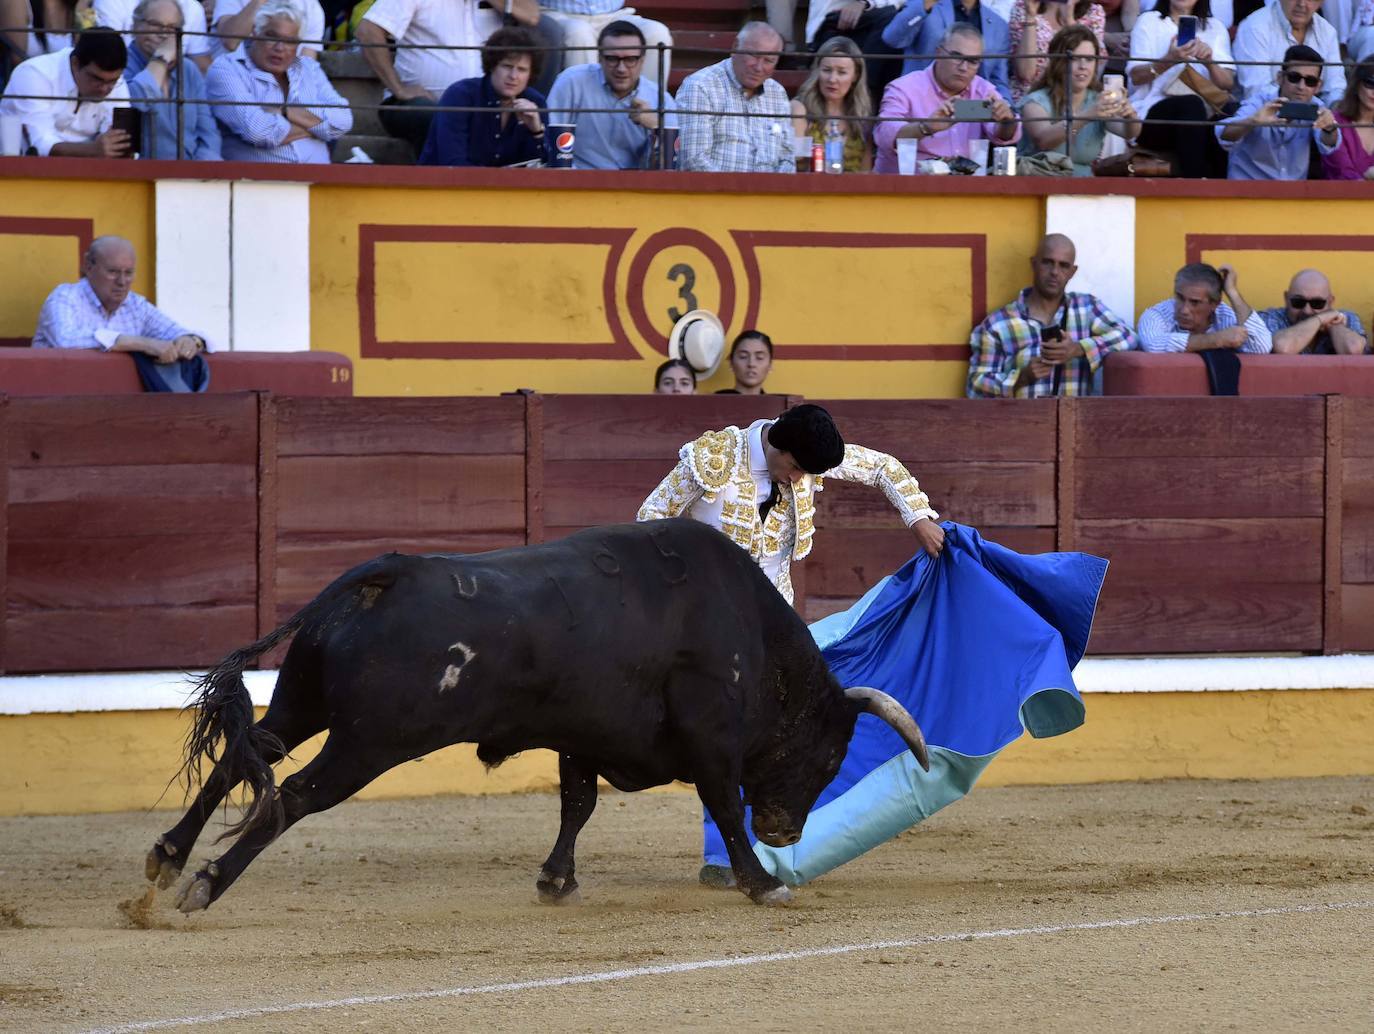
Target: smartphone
<point x="1298" y="111"/>
<point x="966" y="110"/>
<point x="1052" y="334"/>
<point x="1187" y="29"/>
<point x="131" y="121"/>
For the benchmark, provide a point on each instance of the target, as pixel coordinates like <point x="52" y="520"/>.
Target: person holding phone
<point x="1166" y="74"/>
<point x="1270" y="136"/>
<point x="1032" y="27"/>
<point x="80" y="88"/>
<point x="1262" y="38"/>
<point x="1354" y="158"/>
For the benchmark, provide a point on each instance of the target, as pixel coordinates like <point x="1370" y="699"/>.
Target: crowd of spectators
<point x="1279" y="90"/>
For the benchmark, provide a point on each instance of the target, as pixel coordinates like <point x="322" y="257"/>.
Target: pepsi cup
<point x="561" y="154"/>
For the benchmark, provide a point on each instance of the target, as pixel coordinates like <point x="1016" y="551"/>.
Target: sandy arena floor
<point x="407" y="898"/>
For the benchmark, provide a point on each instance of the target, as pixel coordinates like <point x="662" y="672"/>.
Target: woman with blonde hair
<point x="1071" y="86"/>
<point x="835" y="89"/>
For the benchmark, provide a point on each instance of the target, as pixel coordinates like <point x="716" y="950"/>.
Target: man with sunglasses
<point x="1309" y="322"/>
<point x="1266" y="146"/>
<point x="613" y="106"/>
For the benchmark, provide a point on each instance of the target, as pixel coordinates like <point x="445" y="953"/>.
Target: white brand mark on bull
<point x="452" y="672"/>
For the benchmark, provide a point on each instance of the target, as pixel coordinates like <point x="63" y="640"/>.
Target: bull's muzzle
<point x="775" y="831"/>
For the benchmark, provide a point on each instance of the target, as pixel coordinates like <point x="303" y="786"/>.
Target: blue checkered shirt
<point x="733" y="137"/>
<point x="73" y="317"/>
<point x="1004" y="344"/>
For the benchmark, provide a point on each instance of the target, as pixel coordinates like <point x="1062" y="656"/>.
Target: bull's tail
<point x="223" y="730"/>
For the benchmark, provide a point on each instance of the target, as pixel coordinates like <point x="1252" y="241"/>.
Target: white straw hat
<point x="699" y="338"/>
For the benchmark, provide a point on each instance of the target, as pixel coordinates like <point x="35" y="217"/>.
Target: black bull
<point x="642" y="653"/>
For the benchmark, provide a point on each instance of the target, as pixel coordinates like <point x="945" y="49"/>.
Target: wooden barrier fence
<point x="160" y="532"/>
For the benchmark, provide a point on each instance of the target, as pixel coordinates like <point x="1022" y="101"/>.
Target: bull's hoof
<point x="779" y="895"/>
<point x="557" y="890"/>
<point x="162" y="865"/>
<point x="195" y="893"/>
<point x="717" y="877"/>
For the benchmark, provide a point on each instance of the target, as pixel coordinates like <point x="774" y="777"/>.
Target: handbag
<point x="1137" y="163"/>
<point x="1212" y="95"/>
<point x="1044" y="163"/>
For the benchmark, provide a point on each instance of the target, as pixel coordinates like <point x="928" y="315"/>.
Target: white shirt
<point x="62" y="121"/>
<point x="73" y="317"/>
<point x="430" y="22"/>
<point x="1266" y="34"/>
<point x="119" y="14"/>
<point x="1223" y="10"/>
<point x="312" y="31"/>
<point x="818" y="9"/>
<point x="1150" y="41"/>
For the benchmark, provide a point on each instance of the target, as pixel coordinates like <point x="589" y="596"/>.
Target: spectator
<point x="234" y="18"/>
<point x="119" y="14"/>
<point x="509" y="130"/>
<point x="735" y="118"/>
<point x="1360" y="43"/>
<point x="1071" y="84"/>
<point x="1033" y="24"/>
<point x="1197" y="320"/>
<point x="1264" y="146"/>
<point x="835" y="90"/>
<point x="416" y="77"/>
<point x="273" y="105"/>
<point x="926" y="100"/>
<point x="1163" y="75"/>
<point x="30" y="28"/>
<point x="151" y="74"/>
<point x="675" y="377"/>
<point x="100" y="311"/>
<point x="620" y="139"/>
<point x="1119" y="17"/>
<point x="85" y="84"/>
<point x="751" y="360"/>
<point x="1309" y="322"/>
<point x="863" y="22"/>
<point x="1353" y="159"/>
<point x="1268" y="33"/>
<point x="921" y="24"/>
<point x="698" y="339"/>
<point x="1223" y="11"/>
<point x="582" y="22"/>
<point x="1049" y="341"/>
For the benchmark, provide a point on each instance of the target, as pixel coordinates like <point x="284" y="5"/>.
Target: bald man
<point x="1309" y="322"/>
<point x="1050" y="340"/>
<point x="100" y="311"/>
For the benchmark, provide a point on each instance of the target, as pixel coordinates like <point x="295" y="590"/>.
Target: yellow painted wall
<point x="34" y="261"/>
<point x="116" y="761"/>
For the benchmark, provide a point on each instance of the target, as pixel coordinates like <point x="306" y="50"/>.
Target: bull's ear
<point x="881" y="705"/>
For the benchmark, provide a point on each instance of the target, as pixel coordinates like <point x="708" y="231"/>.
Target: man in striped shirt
<point x="1049" y="341"/>
<point x="1197" y="320"/>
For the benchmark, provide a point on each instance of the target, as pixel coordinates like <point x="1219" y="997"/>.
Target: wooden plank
<point x="1219" y="616"/>
<point x="1357" y="607"/>
<point x="1331" y="577"/>
<point x="920" y="432"/>
<point x="580" y="493"/>
<point x="1065" y="474"/>
<point x="1358" y="424"/>
<point x="384" y="426"/>
<point x="207" y="500"/>
<point x="4" y="528"/>
<point x="64" y="431"/>
<point x="267" y="514"/>
<point x="534" y="468"/>
<point x="146" y="570"/>
<point x="976" y="493"/>
<point x="596" y="427"/>
<point x="1357" y="518"/>
<point x="1194" y="552"/>
<point x="127" y="638"/>
<point x="400" y="495"/>
<point x="1160" y="487"/>
<point x="1245" y="428"/>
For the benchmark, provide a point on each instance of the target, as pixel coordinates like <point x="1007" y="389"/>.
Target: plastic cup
<point x="11" y="135"/>
<point x="906" y="156"/>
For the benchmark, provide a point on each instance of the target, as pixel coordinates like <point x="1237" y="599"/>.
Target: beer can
<point x="564" y="137"/>
<point x="1004" y="161"/>
<point x="817" y="157"/>
<point x="665" y="148"/>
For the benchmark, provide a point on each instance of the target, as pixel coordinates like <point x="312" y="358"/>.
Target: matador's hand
<point x="931" y="536"/>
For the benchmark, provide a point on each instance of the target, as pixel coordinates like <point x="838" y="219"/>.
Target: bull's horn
<point x="879" y="704"/>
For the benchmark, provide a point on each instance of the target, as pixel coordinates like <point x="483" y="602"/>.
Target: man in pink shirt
<point x="921" y="105"/>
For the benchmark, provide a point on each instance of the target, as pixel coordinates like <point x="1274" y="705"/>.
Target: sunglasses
<point x="1299" y="302"/>
<point x="1297" y="77"/>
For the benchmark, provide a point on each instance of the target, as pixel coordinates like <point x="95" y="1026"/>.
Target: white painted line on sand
<point x="668" y="969"/>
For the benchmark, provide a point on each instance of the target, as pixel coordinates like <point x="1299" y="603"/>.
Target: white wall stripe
<point x="673" y="968"/>
<point x="162" y="690"/>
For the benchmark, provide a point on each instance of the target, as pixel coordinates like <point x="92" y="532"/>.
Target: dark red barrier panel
<point x="51" y="371"/>
<point x="1356" y="480"/>
<point x="131" y="531"/>
<point x="1145" y="373"/>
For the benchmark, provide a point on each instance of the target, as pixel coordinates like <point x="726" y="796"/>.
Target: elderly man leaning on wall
<point x="1309" y="322"/>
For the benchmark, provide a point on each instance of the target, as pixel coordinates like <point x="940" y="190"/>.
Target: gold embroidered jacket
<point x="713" y="483"/>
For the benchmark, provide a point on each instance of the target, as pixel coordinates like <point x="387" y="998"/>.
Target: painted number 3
<point x="689" y="281"/>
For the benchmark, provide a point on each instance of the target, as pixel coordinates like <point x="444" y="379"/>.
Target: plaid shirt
<point x="73" y="317"/>
<point x="1004" y="344"/>
<point x="734" y="137"/>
